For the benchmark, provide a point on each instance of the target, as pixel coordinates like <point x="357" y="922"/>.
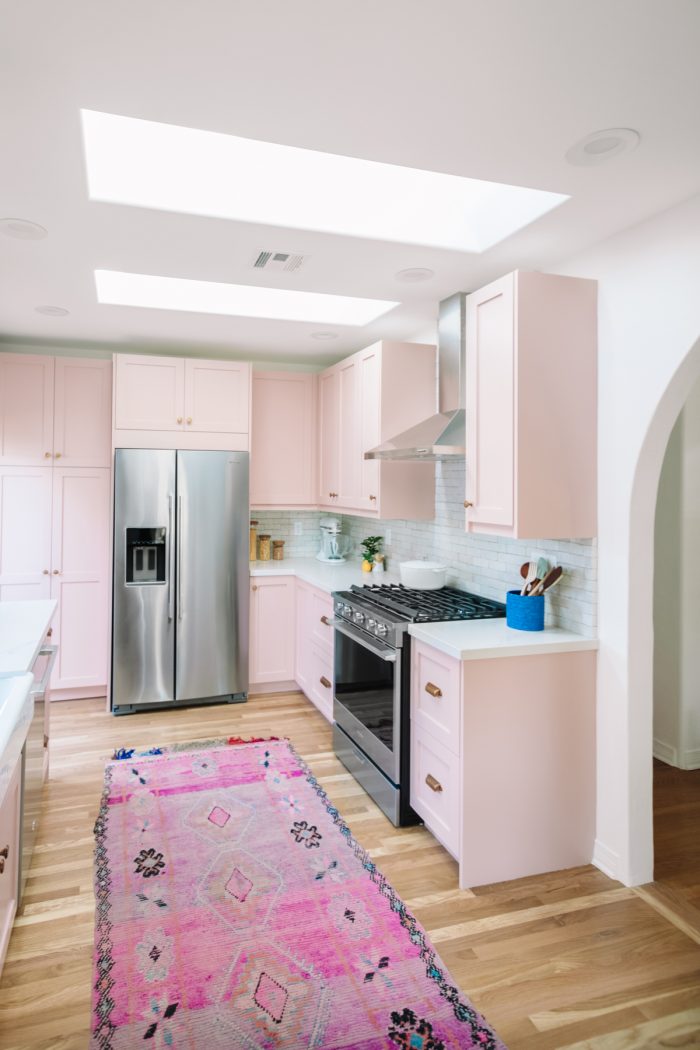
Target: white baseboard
<point x="606" y="859"/>
<point x="665" y="752"/>
<point x="691" y="758"/>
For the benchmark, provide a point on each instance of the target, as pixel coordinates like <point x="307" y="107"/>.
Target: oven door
<point x="367" y="699"/>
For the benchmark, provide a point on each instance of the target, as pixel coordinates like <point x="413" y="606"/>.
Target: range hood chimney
<point x="442" y="436"/>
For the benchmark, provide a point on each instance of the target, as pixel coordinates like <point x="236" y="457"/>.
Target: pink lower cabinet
<point x="314" y="646"/>
<point x="272" y="636"/>
<point x="503" y="760"/>
<point x="9" y="857"/>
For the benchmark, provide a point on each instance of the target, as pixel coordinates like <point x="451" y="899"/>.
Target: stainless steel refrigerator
<point x="181" y="578"/>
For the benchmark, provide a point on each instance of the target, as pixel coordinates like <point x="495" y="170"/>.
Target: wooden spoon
<point x="529" y="575"/>
<point x="552" y="577"/>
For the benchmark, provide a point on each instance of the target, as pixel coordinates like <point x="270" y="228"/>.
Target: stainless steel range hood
<point x="443" y="435"/>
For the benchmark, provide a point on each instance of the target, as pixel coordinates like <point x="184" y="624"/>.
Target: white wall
<point x="649" y="359"/>
<point x="677" y="595"/>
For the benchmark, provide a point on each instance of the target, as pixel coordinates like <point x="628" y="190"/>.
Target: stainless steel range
<point x="372" y="704"/>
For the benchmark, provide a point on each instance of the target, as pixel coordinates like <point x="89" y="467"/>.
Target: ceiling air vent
<point x="270" y="260"/>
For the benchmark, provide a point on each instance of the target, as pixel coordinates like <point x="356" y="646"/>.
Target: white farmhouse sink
<point x="16" y="710"/>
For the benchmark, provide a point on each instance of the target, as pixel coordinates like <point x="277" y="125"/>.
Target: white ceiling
<point x="492" y="89"/>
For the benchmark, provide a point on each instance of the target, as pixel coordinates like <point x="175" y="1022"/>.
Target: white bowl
<point x="423" y="575"/>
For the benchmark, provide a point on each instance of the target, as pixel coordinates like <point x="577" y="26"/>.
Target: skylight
<point x="152" y="165"/>
<point x="236" y="300"/>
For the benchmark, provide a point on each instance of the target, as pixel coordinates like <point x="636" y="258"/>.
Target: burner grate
<point x="447" y="603"/>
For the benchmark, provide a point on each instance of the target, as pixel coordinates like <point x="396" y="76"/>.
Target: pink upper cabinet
<point x="172" y="402"/>
<point x="283" y="439"/>
<point x="367" y="398"/>
<point x="26" y="410"/>
<point x="149" y="393"/>
<point x="83" y="412"/>
<point x="329" y="437"/>
<point x="531" y="407"/>
<point x="217" y="396"/>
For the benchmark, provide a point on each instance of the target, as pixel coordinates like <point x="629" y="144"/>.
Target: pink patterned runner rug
<point x="235" y="909"/>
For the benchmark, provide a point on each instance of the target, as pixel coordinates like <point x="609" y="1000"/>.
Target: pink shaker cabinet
<point x="329" y="438"/>
<point x="314" y="646"/>
<point x="80" y="577"/>
<point x="283" y="440"/>
<point x="25" y="533"/>
<point x="272" y="634"/>
<point x="82" y="411"/>
<point x="26" y="410"/>
<point x="531" y="407"/>
<point x="149" y="393"/>
<point x="9" y="858"/>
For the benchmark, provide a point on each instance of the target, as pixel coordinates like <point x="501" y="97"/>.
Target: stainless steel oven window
<point x="367" y="702"/>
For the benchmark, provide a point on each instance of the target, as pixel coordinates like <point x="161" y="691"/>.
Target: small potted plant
<point x="370" y="548"/>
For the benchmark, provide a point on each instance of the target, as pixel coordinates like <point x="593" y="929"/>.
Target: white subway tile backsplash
<point x="487" y="565"/>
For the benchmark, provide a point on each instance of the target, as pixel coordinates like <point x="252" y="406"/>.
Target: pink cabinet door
<point x="329" y="433"/>
<point x="217" y="396"/>
<point x="83" y="412"/>
<point x="369" y="397"/>
<point x="79" y="576"/>
<point x="349" y="437"/>
<point x="272" y="629"/>
<point x="303" y="667"/>
<point x="26" y="409"/>
<point x="149" y="393"/>
<point x="9" y="876"/>
<point x="25" y="533"/>
<point x="283" y="443"/>
<point x="490" y="458"/>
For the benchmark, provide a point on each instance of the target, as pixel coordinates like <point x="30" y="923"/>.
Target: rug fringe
<point x="122" y="753"/>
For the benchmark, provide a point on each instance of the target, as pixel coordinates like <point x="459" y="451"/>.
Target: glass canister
<point x="264" y="546"/>
<point x="278" y="550"/>
<point x="253" y="540"/>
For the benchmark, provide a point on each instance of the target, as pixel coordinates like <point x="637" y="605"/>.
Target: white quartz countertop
<point x="484" y="639"/>
<point x="321" y="574"/>
<point x="23" y="626"/>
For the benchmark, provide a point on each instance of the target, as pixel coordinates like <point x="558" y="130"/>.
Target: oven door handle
<point x="388" y="655"/>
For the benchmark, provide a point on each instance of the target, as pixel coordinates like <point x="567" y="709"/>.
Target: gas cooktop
<point x="385" y="610"/>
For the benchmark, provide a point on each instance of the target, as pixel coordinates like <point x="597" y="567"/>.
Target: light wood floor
<point x="564" y="960"/>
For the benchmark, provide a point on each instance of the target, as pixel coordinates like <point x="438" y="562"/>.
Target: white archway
<point x="641" y="606"/>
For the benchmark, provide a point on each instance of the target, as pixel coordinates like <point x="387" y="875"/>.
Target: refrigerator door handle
<point x="179" y="557"/>
<point x="170" y="556"/>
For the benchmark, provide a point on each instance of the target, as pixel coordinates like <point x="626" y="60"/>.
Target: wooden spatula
<point x="552" y="577"/>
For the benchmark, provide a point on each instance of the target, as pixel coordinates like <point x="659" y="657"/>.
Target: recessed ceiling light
<point x="23" y="230"/>
<point x="52" y="311"/>
<point x="602" y="145"/>
<point x="324" y="335"/>
<point x="152" y="165"/>
<point x="236" y="300"/>
<point x="414" y="274"/>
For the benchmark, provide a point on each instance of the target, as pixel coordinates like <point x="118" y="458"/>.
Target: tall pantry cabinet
<point x="55" y="458"/>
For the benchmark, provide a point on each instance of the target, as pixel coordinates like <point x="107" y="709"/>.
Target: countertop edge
<point x="518" y="647"/>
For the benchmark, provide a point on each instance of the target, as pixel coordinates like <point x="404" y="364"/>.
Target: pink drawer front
<point x="321" y="607"/>
<point x="435" y="788"/>
<point x="435" y="695"/>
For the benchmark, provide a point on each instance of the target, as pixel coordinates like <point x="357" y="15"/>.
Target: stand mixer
<point x="334" y="545"/>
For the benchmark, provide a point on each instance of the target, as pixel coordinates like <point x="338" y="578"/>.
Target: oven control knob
<point x="359" y="617"/>
<point x="346" y="610"/>
<point x="371" y="622"/>
<point x="382" y="629"/>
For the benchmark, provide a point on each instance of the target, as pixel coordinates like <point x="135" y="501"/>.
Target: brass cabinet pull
<point x="179" y="419"/>
<point x="468" y="503"/>
<point x="45" y="572"/>
<point x="4" y="854"/>
<point x="434" y="690"/>
<point x="333" y="495"/>
<point x="324" y="619"/>
<point x="254" y="587"/>
<point x="58" y="455"/>
<point x="46" y="740"/>
<point x="50" y="630"/>
<point x="432" y="783"/>
<point x="57" y="572"/>
<point x="373" y="498"/>
<point x="324" y="682"/>
<point x="189" y="419"/>
<point x="47" y="455"/>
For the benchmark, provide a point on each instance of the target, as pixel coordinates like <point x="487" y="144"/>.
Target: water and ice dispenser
<point x="145" y="555"/>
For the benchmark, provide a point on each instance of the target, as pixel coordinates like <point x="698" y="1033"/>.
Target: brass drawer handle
<point x="189" y="419"/>
<point x="324" y="682"/>
<point x="434" y="690"/>
<point x="432" y="783"/>
<point x="468" y="503"/>
<point x="324" y="619"/>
